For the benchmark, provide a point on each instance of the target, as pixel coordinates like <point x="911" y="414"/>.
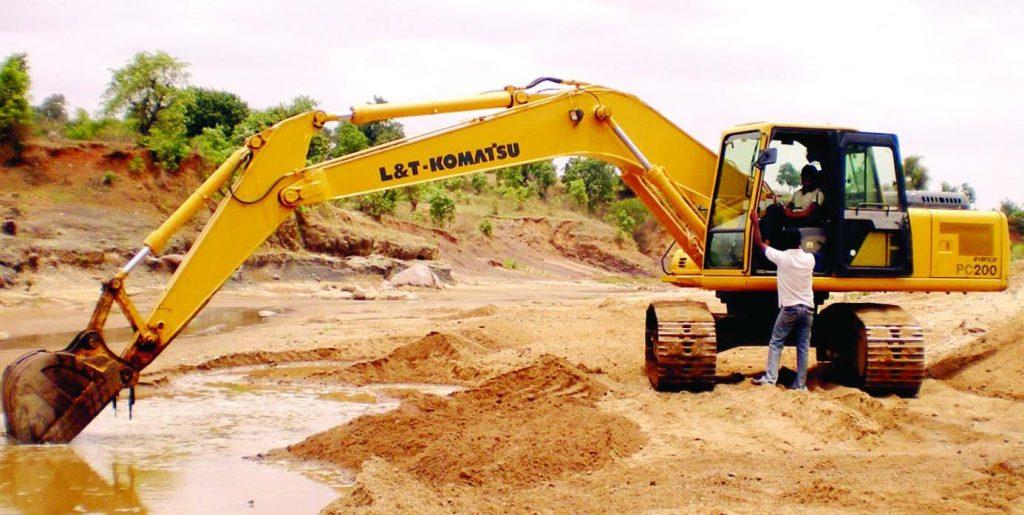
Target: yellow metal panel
<point x="921" y="241"/>
<point x="874" y="251"/>
<point x="968" y="244"/>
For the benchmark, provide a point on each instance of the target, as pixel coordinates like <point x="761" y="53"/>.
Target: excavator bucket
<point x="49" y="397"/>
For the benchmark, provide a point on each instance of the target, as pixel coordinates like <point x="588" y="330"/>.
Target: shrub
<point x="108" y="178"/>
<point x="518" y="194"/>
<point x="578" y="192"/>
<point x="627" y="215"/>
<point x="442" y="207"/>
<point x="412" y="193"/>
<point x="599" y="178"/>
<point x="478" y="182"/>
<point x="136" y="165"/>
<point x="1017" y="252"/>
<point x="486" y="228"/>
<point x="169" y="147"/>
<point x="15" y="111"/>
<point x="378" y="204"/>
<point x="213" y="145"/>
<point x="510" y="264"/>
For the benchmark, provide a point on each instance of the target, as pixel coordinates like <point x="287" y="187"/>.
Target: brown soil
<point x="530" y="425"/>
<point x="436" y="358"/>
<point x="990" y="366"/>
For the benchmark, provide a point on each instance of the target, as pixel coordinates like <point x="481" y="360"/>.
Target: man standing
<point x="796" y="301"/>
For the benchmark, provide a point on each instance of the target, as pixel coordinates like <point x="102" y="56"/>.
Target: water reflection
<point x="55" y="479"/>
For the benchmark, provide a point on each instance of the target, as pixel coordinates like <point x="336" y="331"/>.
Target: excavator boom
<point x="50" y="397"/>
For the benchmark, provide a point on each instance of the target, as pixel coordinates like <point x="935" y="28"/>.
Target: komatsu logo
<point x="494" y="152"/>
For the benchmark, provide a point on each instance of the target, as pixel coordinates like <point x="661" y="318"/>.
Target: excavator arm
<point x="51" y="396"/>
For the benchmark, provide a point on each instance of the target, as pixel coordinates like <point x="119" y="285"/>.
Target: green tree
<point x="478" y="182"/>
<point x="1015" y="214"/>
<point x="789" y="176"/>
<point x="915" y="174"/>
<point x="969" y="192"/>
<point x="599" y="179"/>
<point x="412" y="193"/>
<point x="145" y="88"/>
<point x="348" y="139"/>
<point x="578" y="192"/>
<point x="207" y="108"/>
<point x="382" y="131"/>
<point x="442" y="207"/>
<point x="15" y="110"/>
<point x="54" y="108"/>
<point x="319" y="147"/>
<point x="377" y="204"/>
<point x="214" y="145"/>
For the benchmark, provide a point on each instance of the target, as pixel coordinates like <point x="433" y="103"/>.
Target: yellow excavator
<point x="871" y="236"/>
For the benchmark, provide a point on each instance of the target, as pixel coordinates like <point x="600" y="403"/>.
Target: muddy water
<point x="211" y="320"/>
<point x="190" y="449"/>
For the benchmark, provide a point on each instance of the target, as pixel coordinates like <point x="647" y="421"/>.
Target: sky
<point x="946" y="76"/>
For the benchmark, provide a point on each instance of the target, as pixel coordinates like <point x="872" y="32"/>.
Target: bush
<point x="478" y="182"/>
<point x="168" y="147"/>
<point x="84" y="127"/>
<point x="1017" y="252"/>
<point x="599" y="178"/>
<point x="442" y="207"/>
<point x="510" y="264"/>
<point x="15" y="111"/>
<point x="486" y="228"/>
<point x="627" y="215"/>
<point x="207" y="108"/>
<point x="136" y="165"/>
<point x="412" y="193"/>
<point x="213" y="145"/>
<point x="378" y="204"/>
<point x="108" y="178"/>
<point x="518" y="194"/>
<point x="578" y="192"/>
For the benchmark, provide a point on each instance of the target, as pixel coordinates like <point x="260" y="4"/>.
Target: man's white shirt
<point x="794" y="276"/>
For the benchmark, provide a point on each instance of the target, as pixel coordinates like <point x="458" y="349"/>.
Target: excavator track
<point x="882" y="350"/>
<point x="680" y="346"/>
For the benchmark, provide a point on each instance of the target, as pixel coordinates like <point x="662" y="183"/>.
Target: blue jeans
<point x="791" y="318"/>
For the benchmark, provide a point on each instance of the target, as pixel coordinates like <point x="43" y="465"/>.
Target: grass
<point x="1017" y="252"/>
<point x="510" y="264"/>
<point x="108" y="178"/>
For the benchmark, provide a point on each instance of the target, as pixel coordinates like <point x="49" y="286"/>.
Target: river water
<point x="191" y="448"/>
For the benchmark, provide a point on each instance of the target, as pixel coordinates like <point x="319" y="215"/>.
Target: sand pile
<point x="435" y="358"/>
<point x="991" y="365"/>
<point x="532" y="424"/>
<point x="381" y="486"/>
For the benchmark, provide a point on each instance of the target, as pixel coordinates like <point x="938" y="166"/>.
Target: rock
<point x="396" y="295"/>
<point x="266" y="313"/>
<point x="8" y="277"/>
<point x="10" y="227"/>
<point x="171" y="261"/>
<point x="375" y="264"/>
<point x="417" y="275"/>
<point x="333" y="295"/>
<point x="4" y="335"/>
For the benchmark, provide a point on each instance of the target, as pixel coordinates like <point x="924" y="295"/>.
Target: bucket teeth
<point x="681" y="345"/>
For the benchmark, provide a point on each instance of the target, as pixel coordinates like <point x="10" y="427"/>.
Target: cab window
<point x="871" y="177"/>
<point x="731" y="202"/>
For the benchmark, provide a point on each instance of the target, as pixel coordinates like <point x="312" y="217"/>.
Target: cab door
<point x="874" y="229"/>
